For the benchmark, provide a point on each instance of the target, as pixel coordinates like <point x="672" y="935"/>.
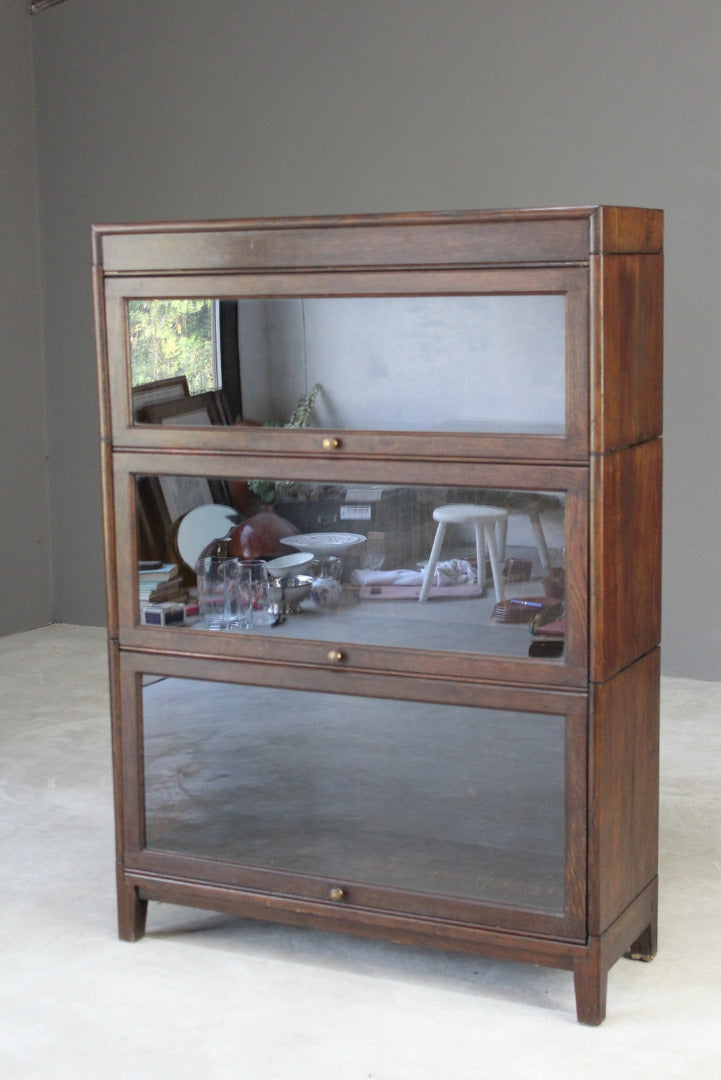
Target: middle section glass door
<point x="445" y="568"/>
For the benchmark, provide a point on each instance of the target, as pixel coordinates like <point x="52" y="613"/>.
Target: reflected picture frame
<point x="155" y="392"/>
<point x="165" y="500"/>
<point x="206" y="409"/>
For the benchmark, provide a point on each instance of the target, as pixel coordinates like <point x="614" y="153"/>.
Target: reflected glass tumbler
<point x="254" y="590"/>
<point x="219" y="606"/>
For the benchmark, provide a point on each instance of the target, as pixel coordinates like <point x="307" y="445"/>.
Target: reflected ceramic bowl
<point x="323" y="544"/>
<point x="297" y="563"/>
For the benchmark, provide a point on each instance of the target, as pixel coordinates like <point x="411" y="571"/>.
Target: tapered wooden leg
<point x="637" y="924"/>
<point x="590" y="978"/>
<point x="132" y="911"/>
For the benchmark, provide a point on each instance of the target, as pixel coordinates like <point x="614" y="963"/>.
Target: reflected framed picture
<point x="165" y="500"/>
<point x="157" y="392"/>
<point x="196" y="410"/>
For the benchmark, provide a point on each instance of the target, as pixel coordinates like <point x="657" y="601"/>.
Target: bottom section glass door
<point x="422" y="797"/>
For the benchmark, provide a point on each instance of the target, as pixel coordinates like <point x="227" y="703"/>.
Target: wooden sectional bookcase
<point x="477" y="771"/>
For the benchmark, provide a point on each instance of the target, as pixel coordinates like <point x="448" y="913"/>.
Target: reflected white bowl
<point x="323" y="544"/>
<point x="287" y="565"/>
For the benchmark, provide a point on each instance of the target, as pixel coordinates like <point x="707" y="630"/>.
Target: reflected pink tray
<point x="469" y="591"/>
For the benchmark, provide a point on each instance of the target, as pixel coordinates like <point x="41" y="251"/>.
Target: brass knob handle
<point x="335" y="656"/>
<point x="336" y="893"/>
<point x="331" y="443"/>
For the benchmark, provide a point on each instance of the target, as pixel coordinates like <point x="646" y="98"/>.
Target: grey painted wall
<point x="25" y="579"/>
<point x="185" y="110"/>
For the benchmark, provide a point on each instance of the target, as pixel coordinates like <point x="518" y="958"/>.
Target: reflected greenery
<point x="172" y="337"/>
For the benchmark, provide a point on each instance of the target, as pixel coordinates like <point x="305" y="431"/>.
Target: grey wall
<point x="25" y="590"/>
<point x="180" y="110"/>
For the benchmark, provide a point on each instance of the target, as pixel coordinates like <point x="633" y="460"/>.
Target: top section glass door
<point x="444" y="363"/>
<point x="495" y="356"/>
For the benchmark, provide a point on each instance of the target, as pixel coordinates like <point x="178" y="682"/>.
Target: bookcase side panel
<point x="625" y="571"/>
<point x="623" y="790"/>
<point x="627" y="376"/>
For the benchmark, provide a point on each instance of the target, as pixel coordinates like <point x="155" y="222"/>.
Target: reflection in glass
<point x="442" y="363"/>
<point x="476" y="570"/>
<point x="173" y="338"/>
<point x="432" y="798"/>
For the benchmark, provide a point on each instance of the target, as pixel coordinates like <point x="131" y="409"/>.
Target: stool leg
<point x="495" y="562"/>
<point x="535" y="519"/>
<point x="501" y="536"/>
<point x="480" y="555"/>
<point x="432" y="560"/>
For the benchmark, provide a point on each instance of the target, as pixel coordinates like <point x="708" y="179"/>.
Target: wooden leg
<point x="590" y="972"/>
<point x="644" y="947"/>
<point x="132" y="911"/>
<point x="590" y="978"/>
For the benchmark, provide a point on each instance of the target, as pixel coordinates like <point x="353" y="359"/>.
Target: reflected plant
<point x="269" y="492"/>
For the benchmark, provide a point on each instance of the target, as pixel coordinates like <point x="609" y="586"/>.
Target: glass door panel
<point x="449" y="363"/>
<point x="436" y="799"/>
<point x="455" y="569"/>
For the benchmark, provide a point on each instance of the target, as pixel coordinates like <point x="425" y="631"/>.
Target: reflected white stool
<point x="490" y="524"/>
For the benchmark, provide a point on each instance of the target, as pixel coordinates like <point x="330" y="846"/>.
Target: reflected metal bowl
<point x="286" y="592"/>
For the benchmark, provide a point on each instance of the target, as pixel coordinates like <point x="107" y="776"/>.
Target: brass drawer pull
<point x="336" y="893"/>
<point x="331" y="443"/>
<point x="335" y="656"/>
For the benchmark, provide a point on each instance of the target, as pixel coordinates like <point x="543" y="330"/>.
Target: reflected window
<point x="173" y="338"/>
<point x="184" y="361"/>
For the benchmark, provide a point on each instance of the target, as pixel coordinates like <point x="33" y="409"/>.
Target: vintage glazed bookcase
<point x="430" y="772"/>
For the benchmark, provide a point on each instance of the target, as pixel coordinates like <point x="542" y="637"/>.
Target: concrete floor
<point x="206" y="994"/>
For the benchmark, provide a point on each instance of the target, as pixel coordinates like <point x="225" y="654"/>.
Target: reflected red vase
<point x="259" y="537"/>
